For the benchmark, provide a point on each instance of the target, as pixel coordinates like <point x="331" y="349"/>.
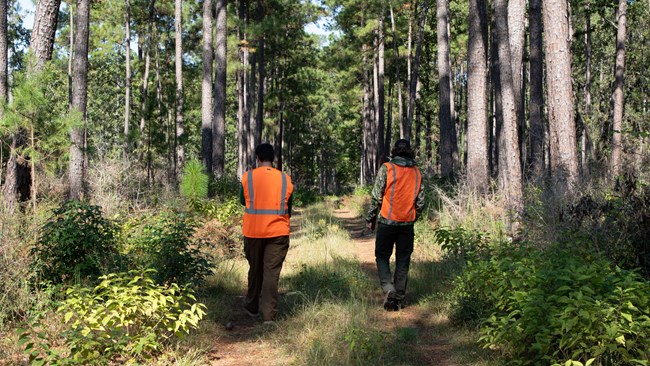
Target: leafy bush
<point x="461" y="243"/>
<point x="126" y="316"/>
<point x="164" y="242"/>
<point x="76" y="242"/>
<point x="543" y="307"/>
<point x="304" y="197"/>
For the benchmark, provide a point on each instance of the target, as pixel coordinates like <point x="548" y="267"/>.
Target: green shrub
<point x="194" y="184"/>
<point x="544" y="307"/>
<point x="77" y="242"/>
<point x="126" y="316"/>
<point x="164" y="242"/>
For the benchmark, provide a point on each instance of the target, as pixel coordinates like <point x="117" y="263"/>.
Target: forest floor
<point x="419" y="334"/>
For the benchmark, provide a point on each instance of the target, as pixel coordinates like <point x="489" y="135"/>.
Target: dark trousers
<point x="265" y="257"/>
<point x="401" y="237"/>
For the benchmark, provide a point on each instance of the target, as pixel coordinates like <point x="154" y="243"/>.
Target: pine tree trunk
<point x="127" y="77"/>
<point x="444" y="114"/>
<point x="398" y="82"/>
<point x="242" y="96"/>
<point x="563" y="154"/>
<point x="413" y="80"/>
<point x="510" y="171"/>
<point x="144" y="89"/>
<point x="206" y="89"/>
<point x="536" y="91"/>
<point x="79" y="97"/>
<point x="517" y="37"/>
<point x="219" y="129"/>
<point x="180" y="131"/>
<point x="70" y="50"/>
<point x="587" y="147"/>
<point x="43" y="31"/>
<point x="380" y="97"/>
<point x="4" y="47"/>
<point x="477" y="101"/>
<point x="617" y="140"/>
<point x="261" y="69"/>
<point x="41" y="46"/>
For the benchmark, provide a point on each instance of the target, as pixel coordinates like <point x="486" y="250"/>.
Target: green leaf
<point x="621" y="339"/>
<point x="627" y="316"/>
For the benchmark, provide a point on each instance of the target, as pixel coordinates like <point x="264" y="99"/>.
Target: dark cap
<point x="402" y="143"/>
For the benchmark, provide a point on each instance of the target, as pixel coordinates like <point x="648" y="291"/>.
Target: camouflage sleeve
<point x="377" y="194"/>
<point x="419" y="202"/>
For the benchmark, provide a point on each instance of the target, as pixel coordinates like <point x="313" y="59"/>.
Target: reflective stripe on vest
<point x="388" y="204"/>
<point x="251" y="193"/>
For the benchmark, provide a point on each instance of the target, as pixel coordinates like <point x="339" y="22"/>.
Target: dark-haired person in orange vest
<point x="266" y="193"/>
<point x="397" y="202"/>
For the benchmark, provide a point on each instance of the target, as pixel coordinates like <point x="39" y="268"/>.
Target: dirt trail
<point x="245" y="344"/>
<point x="433" y="348"/>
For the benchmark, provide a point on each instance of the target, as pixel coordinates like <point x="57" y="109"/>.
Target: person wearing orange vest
<point x="266" y="193"/>
<point x="397" y="202"/>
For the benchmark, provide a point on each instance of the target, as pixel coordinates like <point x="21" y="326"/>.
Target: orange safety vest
<point x="402" y="188"/>
<point x="266" y="191"/>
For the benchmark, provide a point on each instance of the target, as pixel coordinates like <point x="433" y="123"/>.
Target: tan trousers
<point x="265" y="257"/>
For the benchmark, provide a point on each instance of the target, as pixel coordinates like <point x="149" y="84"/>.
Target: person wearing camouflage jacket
<point x="397" y="202"/>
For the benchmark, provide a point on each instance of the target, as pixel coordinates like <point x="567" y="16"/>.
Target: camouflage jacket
<point x="378" y="194"/>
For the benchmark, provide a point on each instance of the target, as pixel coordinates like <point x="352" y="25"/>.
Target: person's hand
<point x="371" y="225"/>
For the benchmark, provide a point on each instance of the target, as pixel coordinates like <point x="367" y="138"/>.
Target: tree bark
<point x="563" y="154"/>
<point x="144" y="110"/>
<point x="4" y="47"/>
<point x="219" y="129"/>
<point x="379" y="93"/>
<point x="398" y="82"/>
<point x="242" y="95"/>
<point x="478" y="173"/>
<point x="207" y="89"/>
<point x="79" y="97"/>
<point x="444" y="114"/>
<point x="43" y="31"/>
<point x="536" y="91"/>
<point x="41" y="46"/>
<point x="587" y="131"/>
<point x="617" y="140"/>
<point x="413" y="80"/>
<point x="510" y="177"/>
<point x="261" y="69"/>
<point x="180" y="131"/>
<point x="516" y="37"/>
<point x="127" y="77"/>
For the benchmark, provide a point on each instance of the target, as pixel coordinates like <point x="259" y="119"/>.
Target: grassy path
<point x="331" y="306"/>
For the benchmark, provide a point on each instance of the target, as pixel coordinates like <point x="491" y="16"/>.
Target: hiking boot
<point x="250" y="313"/>
<point x="390" y="302"/>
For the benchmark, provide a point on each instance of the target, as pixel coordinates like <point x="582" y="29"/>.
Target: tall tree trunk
<point x="70" y="51"/>
<point x="259" y="120"/>
<point x="242" y="96"/>
<point x="43" y="31"/>
<point x="4" y="47"/>
<point x="219" y="129"/>
<point x="563" y="154"/>
<point x="379" y="93"/>
<point x="536" y="91"/>
<point x="510" y="177"/>
<point x="413" y="80"/>
<point x="478" y="173"/>
<point x="588" y="120"/>
<point x="617" y="141"/>
<point x="398" y="82"/>
<point x="517" y="37"/>
<point x="41" y="46"/>
<point x="79" y="97"/>
<point x="444" y="114"/>
<point x="127" y="77"/>
<point x="180" y="131"/>
<point x="144" y="89"/>
<point x="206" y="89"/>
<point x="404" y="128"/>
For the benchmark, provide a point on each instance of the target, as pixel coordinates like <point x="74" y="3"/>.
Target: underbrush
<point x="552" y="306"/>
